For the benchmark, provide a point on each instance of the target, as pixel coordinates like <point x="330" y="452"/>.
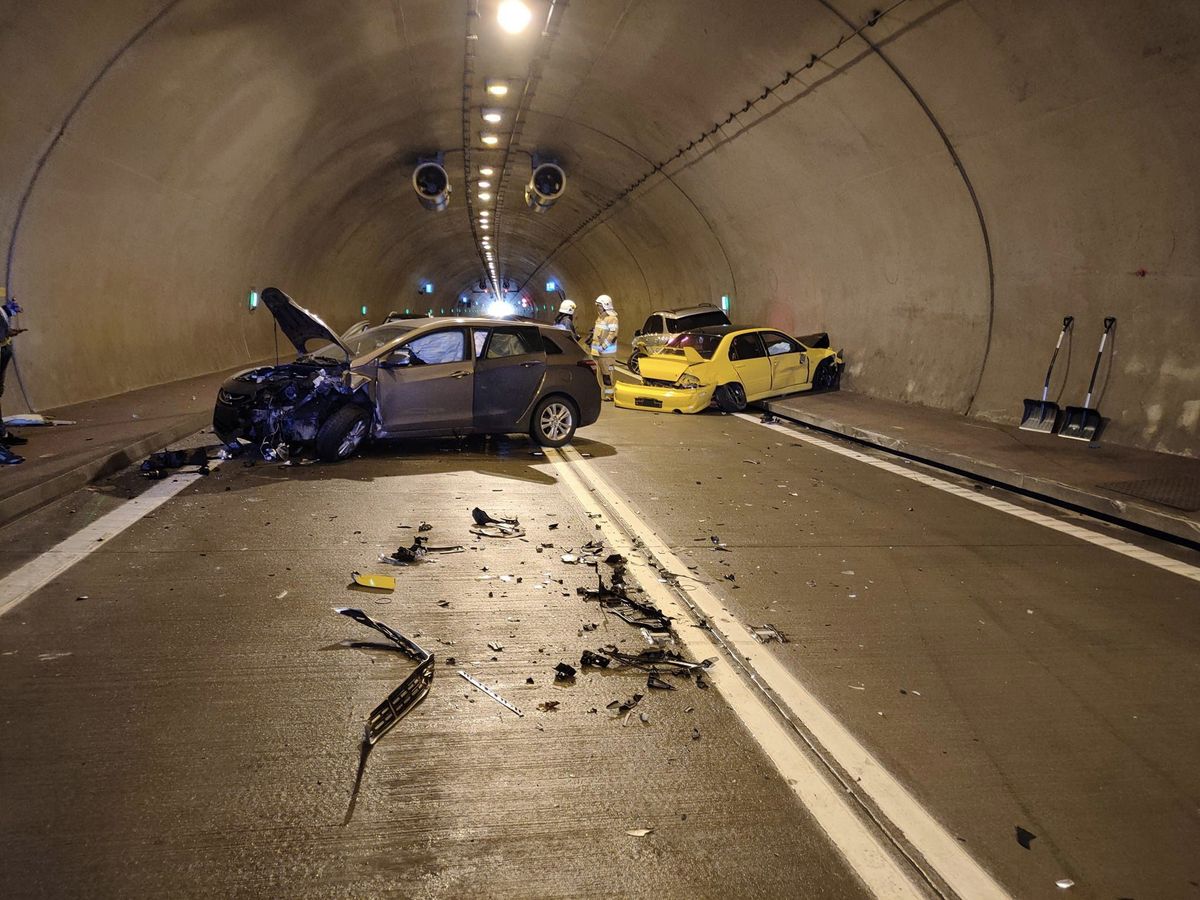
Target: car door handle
<point x="530" y="365"/>
<point x="459" y="374"/>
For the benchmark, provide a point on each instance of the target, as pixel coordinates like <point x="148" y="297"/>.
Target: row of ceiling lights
<point x="514" y="17"/>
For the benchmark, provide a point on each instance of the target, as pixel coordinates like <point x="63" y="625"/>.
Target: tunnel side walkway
<point x="1138" y="487"/>
<point x="107" y="435"/>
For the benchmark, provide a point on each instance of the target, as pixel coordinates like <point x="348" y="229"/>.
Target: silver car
<point x="664" y="324"/>
<point x="420" y="377"/>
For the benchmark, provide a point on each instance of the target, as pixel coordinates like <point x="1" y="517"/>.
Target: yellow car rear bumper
<point x="631" y="395"/>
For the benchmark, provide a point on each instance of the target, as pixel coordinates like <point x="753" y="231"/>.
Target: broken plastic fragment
<point x="588" y="658"/>
<point x="1024" y="837"/>
<point x="766" y="633"/>
<point x="639" y="832"/>
<point x="1065" y="883"/>
<point x="492" y="645"/>
<point x="653" y="681"/>
<point x="379" y="582"/>
<point x="548" y="705"/>
<point x="564" y="672"/>
<point x="482" y="518"/>
<point x="479" y="685"/>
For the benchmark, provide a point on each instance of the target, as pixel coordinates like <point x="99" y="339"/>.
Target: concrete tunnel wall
<point x="208" y="146"/>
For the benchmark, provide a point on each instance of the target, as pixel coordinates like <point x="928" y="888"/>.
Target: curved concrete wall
<point x="208" y="146"/>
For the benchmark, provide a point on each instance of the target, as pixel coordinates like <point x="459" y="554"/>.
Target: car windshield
<point x="363" y="343"/>
<point x="697" y="320"/>
<point x="704" y="344"/>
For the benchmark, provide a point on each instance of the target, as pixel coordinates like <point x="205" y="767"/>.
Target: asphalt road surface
<point x="182" y="709"/>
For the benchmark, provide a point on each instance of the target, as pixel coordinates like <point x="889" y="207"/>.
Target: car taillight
<point x="588" y="363"/>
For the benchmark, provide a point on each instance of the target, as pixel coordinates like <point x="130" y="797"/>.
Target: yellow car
<point x="730" y="364"/>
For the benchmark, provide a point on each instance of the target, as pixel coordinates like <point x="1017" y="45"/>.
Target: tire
<point x="826" y="377"/>
<point x="731" y="398"/>
<point x="633" y="361"/>
<point x="343" y="433"/>
<point x="554" y="421"/>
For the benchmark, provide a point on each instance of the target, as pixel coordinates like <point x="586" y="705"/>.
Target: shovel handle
<point x="1067" y="320"/>
<point x="1109" y="322"/>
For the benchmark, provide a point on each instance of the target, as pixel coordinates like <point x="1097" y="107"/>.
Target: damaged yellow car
<point x="730" y="365"/>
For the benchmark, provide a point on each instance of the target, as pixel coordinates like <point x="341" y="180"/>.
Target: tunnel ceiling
<point x="935" y="183"/>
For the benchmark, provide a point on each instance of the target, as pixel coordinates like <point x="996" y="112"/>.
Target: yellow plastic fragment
<point x="379" y="582"/>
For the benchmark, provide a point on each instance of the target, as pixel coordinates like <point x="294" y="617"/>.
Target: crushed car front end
<point x="273" y="406"/>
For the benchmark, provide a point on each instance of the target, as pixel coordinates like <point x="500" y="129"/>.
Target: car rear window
<point x="551" y="346"/>
<point x="704" y="344"/>
<point x="697" y="320"/>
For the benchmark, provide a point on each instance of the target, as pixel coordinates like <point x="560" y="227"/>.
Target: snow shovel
<point x="1081" y="423"/>
<point x="1042" y="415"/>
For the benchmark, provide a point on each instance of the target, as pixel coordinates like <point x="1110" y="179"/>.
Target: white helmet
<point x="605" y="302"/>
<point x="567" y="307"/>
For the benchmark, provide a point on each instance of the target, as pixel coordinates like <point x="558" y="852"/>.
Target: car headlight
<point x="689" y="382"/>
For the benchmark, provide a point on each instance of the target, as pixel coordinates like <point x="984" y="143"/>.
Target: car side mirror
<point x="397" y="359"/>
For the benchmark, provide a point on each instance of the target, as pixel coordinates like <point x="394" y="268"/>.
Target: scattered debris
<point x="645" y="718"/>
<point x="695" y="734"/>
<point x="487" y="690"/>
<point x="378" y="582"/>
<point x="418" y="552"/>
<point x="656" y="683"/>
<point x="1025" y="838"/>
<point x="483" y="518"/>
<point x="424" y="526"/>
<point x="624" y="706"/>
<point x="159" y="465"/>
<point x="548" y="705"/>
<point x="495" y="647"/>
<point x="614" y="598"/>
<point x="766" y="633"/>
<point x="639" y="832"/>
<point x="564" y="672"/>
<point x="570" y="559"/>
<point x="593" y="660"/>
<point x="1064" y="883"/>
<point x="768" y="419"/>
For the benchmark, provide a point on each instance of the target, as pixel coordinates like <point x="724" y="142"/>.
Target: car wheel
<point x="554" y="421"/>
<point x="633" y="361"/>
<point x="342" y="433"/>
<point x="730" y="397"/>
<point x="825" y="378"/>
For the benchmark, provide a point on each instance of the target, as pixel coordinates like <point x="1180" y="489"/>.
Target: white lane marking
<point x="1092" y="537"/>
<point x="873" y="862"/>
<point x="36" y="573"/>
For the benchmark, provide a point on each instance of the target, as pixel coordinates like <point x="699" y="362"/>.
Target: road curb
<point x="1129" y="513"/>
<point x="101" y="465"/>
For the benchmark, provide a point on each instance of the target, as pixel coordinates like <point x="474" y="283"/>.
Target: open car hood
<point x="298" y="323"/>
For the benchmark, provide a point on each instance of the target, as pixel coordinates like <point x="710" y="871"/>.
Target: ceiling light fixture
<point x="489" y="138"/>
<point x="513" y="16"/>
<point x="497" y="87"/>
<point x="486" y="171"/>
<point x="485" y="184"/>
<point x="492" y="115"/>
<point x="485" y="196"/>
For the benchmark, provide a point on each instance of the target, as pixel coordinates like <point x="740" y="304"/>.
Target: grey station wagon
<point x="412" y="378"/>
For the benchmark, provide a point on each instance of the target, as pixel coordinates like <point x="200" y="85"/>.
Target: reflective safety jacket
<point x="604" y="335"/>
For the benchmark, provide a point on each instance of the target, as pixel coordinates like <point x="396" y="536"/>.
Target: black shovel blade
<point x="1080" y="423"/>
<point x="1040" y="415"/>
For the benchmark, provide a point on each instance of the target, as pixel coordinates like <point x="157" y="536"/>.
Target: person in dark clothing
<point x="566" y="318"/>
<point x="7" y="332"/>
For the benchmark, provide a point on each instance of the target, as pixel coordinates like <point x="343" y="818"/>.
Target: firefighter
<point x="566" y="318"/>
<point x="604" y="342"/>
